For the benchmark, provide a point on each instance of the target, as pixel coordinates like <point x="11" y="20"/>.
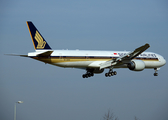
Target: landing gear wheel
<point x="83" y="76"/>
<point x="156" y="69"/>
<point x="155" y="74"/>
<point x="110" y="73"/>
<point x="115" y="73"/>
<point x="88" y="74"/>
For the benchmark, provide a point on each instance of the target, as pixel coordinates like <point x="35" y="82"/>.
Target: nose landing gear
<point x="156" y="69"/>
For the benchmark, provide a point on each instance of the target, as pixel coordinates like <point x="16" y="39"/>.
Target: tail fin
<point x="37" y="39"/>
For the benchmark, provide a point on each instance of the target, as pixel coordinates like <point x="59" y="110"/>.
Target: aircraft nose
<point x="163" y="61"/>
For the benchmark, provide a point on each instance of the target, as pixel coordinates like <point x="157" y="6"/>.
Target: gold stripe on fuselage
<point x="52" y="60"/>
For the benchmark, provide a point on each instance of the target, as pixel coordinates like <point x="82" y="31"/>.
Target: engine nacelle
<point x="136" y="65"/>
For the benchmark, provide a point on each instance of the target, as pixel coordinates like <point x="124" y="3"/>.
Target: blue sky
<point x="51" y="92"/>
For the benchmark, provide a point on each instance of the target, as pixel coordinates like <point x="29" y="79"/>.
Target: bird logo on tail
<point x="39" y="39"/>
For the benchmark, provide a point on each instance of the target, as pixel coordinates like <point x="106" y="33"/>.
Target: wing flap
<point x="106" y="64"/>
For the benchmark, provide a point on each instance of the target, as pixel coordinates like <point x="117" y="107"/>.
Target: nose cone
<point x="163" y="61"/>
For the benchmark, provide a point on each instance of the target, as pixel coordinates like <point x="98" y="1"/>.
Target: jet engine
<point x="136" y="65"/>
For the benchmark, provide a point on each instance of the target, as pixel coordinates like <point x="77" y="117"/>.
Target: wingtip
<point x="147" y="44"/>
<point x="16" y="55"/>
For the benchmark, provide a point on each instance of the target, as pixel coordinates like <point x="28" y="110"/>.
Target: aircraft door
<point x="60" y="56"/>
<point x="87" y="57"/>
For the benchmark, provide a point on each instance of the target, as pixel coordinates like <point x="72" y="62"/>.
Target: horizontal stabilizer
<point x="45" y="54"/>
<point x="17" y="55"/>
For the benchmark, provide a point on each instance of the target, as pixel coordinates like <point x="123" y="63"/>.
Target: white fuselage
<point x="93" y="59"/>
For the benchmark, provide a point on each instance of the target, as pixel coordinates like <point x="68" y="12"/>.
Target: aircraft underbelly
<point x="152" y="64"/>
<point x="79" y="64"/>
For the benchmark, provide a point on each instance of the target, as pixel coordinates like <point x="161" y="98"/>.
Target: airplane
<point x="94" y="62"/>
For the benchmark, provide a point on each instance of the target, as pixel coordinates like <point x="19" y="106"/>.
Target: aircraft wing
<point x="126" y="58"/>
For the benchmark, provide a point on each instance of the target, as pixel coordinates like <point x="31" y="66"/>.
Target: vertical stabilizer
<point x="38" y="41"/>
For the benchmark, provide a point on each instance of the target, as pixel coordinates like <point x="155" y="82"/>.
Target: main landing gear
<point x="110" y="73"/>
<point x="88" y="74"/>
<point x="156" y="69"/>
